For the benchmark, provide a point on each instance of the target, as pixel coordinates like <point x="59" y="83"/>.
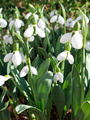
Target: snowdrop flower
<point x="17" y="23"/>
<point x="3" y="79"/>
<point x="58" y="76"/>
<point x="3" y="23"/>
<point x="52" y="13"/>
<point x="76" y="39"/>
<point x="29" y="14"/>
<point x="59" y="19"/>
<point x="30" y="31"/>
<point x="8" y="39"/>
<point x="17" y="58"/>
<point x="25" y="70"/>
<point x="66" y="56"/>
<point x="68" y="22"/>
<point x="87" y="45"/>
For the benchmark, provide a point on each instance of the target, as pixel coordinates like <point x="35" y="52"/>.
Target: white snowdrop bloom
<point x="78" y="18"/>
<point x="3" y="79"/>
<point x="29" y="31"/>
<point x="68" y="21"/>
<point x="76" y="39"/>
<point x="53" y="19"/>
<point x="18" y="23"/>
<point x="10" y="19"/>
<point x="52" y="13"/>
<point x="25" y="70"/>
<point x="17" y="58"/>
<point x="8" y="39"/>
<point x="29" y="14"/>
<point x="60" y="20"/>
<point x="31" y="39"/>
<point x="3" y="23"/>
<point x="58" y="77"/>
<point x="41" y="24"/>
<point x="87" y="45"/>
<point x="66" y="56"/>
<point x="72" y="24"/>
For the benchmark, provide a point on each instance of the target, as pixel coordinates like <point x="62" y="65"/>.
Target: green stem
<point x="82" y="73"/>
<point x="3" y="43"/>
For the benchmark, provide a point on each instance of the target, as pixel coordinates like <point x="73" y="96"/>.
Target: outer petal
<point x="40" y="32"/>
<point x="87" y="46"/>
<point x="34" y="71"/>
<point x="29" y="32"/>
<point x="62" y="56"/>
<point x="70" y="58"/>
<point x="23" y="58"/>
<point x="60" y="20"/>
<point x="17" y="23"/>
<point x="72" y="24"/>
<point x="2" y="80"/>
<point x="3" y="23"/>
<point x="31" y="39"/>
<point x="77" y="40"/>
<point x="58" y="76"/>
<point x="41" y="24"/>
<point x="10" y="40"/>
<point x="24" y="71"/>
<point x="8" y="57"/>
<point x="11" y="24"/>
<point x="5" y="37"/>
<point x="78" y="18"/>
<point x="65" y="38"/>
<point x="17" y="58"/>
<point x="68" y="21"/>
<point x="53" y="19"/>
<point x="28" y="15"/>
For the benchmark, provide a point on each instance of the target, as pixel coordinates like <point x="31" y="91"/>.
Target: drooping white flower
<point x="3" y="23"/>
<point x="25" y="70"/>
<point x="52" y="13"/>
<point x="29" y="31"/>
<point x="68" y="22"/>
<point x="41" y="24"/>
<point x="66" y="56"/>
<point x="53" y="19"/>
<point x="31" y="39"/>
<point x="76" y="39"/>
<point x="8" y="39"/>
<point x="3" y="79"/>
<point x="58" y="77"/>
<point x="87" y="45"/>
<point x="17" y="23"/>
<point x="17" y="58"/>
<point x="29" y="14"/>
<point x="60" y="20"/>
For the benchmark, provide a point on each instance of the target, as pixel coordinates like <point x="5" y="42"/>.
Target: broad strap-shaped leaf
<point x="42" y="69"/>
<point x="67" y="92"/>
<point x="33" y="110"/>
<point x="76" y="91"/>
<point x="58" y="98"/>
<point x="5" y="115"/>
<point x="21" y="83"/>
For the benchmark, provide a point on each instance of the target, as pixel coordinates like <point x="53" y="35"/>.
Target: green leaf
<point x="6" y="105"/>
<point x="21" y="83"/>
<point x="5" y="115"/>
<point x="76" y="88"/>
<point x="59" y="99"/>
<point x="19" y="37"/>
<point x="33" y="110"/>
<point x="42" y="69"/>
<point x="43" y="52"/>
<point x="67" y="92"/>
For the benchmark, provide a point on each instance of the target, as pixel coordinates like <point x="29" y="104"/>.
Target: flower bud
<point x="67" y="46"/>
<point x="77" y="26"/>
<point x="34" y="21"/>
<point x="16" y="47"/>
<point x="57" y="69"/>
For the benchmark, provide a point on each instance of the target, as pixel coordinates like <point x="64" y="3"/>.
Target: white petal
<point x="40" y="32"/>
<point x="6" y="37"/>
<point x="28" y="15"/>
<point x="60" y="20"/>
<point x="68" y="21"/>
<point x="3" y="23"/>
<point x="58" y="76"/>
<point x="17" y="58"/>
<point x="36" y="16"/>
<point x="65" y="38"/>
<point x="10" y="19"/>
<point x="77" y="40"/>
<point x="62" y="56"/>
<point x="17" y="23"/>
<point x="34" y="71"/>
<point x="70" y="58"/>
<point x="29" y="32"/>
<point x="87" y="19"/>
<point x="87" y="45"/>
<point x="78" y="18"/>
<point x="2" y="80"/>
<point x="51" y="13"/>
<point x="23" y="58"/>
<point x="10" y="40"/>
<point x="24" y="71"/>
<point x="41" y="24"/>
<point x="11" y="24"/>
<point x="53" y="19"/>
<point x="72" y="24"/>
<point x="31" y="39"/>
<point x="8" y="57"/>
